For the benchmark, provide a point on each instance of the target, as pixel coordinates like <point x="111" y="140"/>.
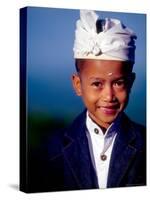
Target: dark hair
<point x="78" y="65"/>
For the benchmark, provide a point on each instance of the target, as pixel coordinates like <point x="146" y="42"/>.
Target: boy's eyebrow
<point x="96" y="78"/>
<point x="102" y="79"/>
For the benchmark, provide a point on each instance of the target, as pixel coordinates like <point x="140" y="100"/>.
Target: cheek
<point x="122" y="97"/>
<point x="88" y="96"/>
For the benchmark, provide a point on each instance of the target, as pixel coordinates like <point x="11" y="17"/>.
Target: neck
<point x="103" y="126"/>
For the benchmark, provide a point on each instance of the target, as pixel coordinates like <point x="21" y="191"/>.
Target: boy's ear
<point x="76" y="82"/>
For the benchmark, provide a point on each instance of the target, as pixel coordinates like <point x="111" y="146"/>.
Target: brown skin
<point x="104" y="86"/>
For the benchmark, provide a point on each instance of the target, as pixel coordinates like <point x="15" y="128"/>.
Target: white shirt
<point x="99" y="144"/>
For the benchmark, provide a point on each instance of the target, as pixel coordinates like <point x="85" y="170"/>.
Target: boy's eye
<point x="119" y="83"/>
<point x="97" y="84"/>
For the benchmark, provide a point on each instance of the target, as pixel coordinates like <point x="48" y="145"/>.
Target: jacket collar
<point x="123" y="153"/>
<point x="76" y="150"/>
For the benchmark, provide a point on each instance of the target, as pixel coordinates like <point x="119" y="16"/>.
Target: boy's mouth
<point x="109" y="110"/>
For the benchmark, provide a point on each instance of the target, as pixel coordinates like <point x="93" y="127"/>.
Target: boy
<point x="102" y="148"/>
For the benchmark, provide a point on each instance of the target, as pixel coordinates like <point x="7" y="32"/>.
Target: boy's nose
<point x="108" y="94"/>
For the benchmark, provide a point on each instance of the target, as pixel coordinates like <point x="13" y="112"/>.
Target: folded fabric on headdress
<point x="103" y="38"/>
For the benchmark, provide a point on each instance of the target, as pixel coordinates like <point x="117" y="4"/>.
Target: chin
<point x="107" y="120"/>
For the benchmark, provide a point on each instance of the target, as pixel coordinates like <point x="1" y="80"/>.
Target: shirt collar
<point x="112" y="130"/>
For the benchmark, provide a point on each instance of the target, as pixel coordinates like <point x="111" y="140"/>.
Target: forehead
<point x="103" y="67"/>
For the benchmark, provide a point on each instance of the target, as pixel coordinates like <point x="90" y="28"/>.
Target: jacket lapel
<point x="122" y="155"/>
<point x="77" y="155"/>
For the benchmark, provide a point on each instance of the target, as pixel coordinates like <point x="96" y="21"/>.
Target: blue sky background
<point x="50" y="63"/>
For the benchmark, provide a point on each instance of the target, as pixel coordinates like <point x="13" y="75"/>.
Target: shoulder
<point x="58" y="140"/>
<point x="138" y="130"/>
<point x="134" y="126"/>
<point x="53" y="144"/>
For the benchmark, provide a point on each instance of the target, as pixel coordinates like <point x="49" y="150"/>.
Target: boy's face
<point x="104" y="86"/>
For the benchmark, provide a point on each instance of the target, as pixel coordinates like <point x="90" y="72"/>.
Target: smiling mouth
<point x="109" y="110"/>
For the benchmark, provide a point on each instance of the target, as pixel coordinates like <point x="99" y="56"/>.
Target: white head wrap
<point x="103" y="39"/>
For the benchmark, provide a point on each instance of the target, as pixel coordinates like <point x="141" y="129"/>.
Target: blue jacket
<point x="65" y="162"/>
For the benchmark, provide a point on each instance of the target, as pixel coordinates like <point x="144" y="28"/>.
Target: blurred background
<point x="51" y="101"/>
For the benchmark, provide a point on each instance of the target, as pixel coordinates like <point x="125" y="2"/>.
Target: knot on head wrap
<point x="95" y="37"/>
